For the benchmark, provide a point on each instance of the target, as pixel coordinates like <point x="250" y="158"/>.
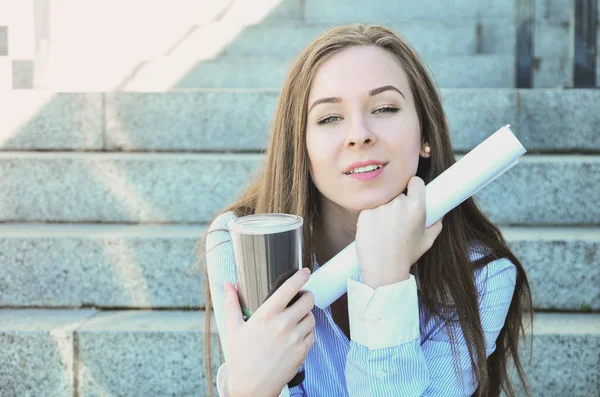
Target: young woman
<point x="435" y="311"/>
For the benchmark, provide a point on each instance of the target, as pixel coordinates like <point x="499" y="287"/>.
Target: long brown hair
<point x="284" y="185"/>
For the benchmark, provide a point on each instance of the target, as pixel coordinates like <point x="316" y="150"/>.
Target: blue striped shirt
<point x="421" y="366"/>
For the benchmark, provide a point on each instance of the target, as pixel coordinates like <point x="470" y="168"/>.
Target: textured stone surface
<point x="556" y="10"/>
<point x="101" y="266"/>
<point x="554" y="71"/>
<point x="212" y="120"/>
<point x="545" y="190"/>
<point x="37" y="352"/>
<point x="561" y="265"/>
<point x="551" y="36"/>
<point x="457" y="71"/>
<point x="144" y="354"/>
<point x="77" y="187"/>
<point x="193" y="187"/>
<point x="544" y="120"/>
<point x="131" y="353"/>
<point x="565" y="356"/>
<point x="288" y="40"/>
<point x="572" y="114"/>
<point x="475" y="114"/>
<point x="38" y="119"/>
<point x="204" y="120"/>
<point x="466" y="71"/>
<point x="153" y="266"/>
<point x="340" y="11"/>
<point x="466" y="36"/>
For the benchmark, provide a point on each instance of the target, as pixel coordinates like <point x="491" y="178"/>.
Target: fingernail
<point x="306" y="270"/>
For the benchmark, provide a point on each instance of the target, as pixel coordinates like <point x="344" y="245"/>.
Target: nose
<point x="359" y="134"/>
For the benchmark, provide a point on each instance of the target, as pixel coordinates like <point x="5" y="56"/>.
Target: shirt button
<point x="380" y="374"/>
<point x="374" y="321"/>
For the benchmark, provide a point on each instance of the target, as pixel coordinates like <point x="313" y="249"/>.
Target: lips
<point x="366" y="176"/>
<point x="364" y="164"/>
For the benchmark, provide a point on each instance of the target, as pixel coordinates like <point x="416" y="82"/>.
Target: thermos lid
<point x="265" y="223"/>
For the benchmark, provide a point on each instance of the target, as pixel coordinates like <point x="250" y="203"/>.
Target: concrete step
<point x="62" y="352"/>
<point x="135" y="266"/>
<point x="339" y="11"/>
<point x="190" y="71"/>
<point x="58" y="353"/>
<point x="381" y="11"/>
<point x="287" y="40"/>
<point x="466" y="36"/>
<point x="201" y="120"/>
<point x="72" y="29"/>
<point x="191" y="188"/>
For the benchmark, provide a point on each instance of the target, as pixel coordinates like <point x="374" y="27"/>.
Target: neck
<point x="334" y="228"/>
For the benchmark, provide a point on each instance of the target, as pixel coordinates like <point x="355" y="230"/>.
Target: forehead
<point x="355" y="71"/>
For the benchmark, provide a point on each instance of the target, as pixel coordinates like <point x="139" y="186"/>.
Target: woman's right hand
<point x="265" y="352"/>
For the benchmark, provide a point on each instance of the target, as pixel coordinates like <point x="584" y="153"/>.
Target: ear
<point x="425" y="150"/>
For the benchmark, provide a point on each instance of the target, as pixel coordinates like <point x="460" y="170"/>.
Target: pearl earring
<point x="427" y="149"/>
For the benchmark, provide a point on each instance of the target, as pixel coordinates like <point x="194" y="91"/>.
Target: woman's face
<point x="361" y="108"/>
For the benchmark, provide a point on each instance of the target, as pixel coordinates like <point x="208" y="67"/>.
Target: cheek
<point x="315" y="156"/>
<point x="320" y="154"/>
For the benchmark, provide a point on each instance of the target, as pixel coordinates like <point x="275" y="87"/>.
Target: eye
<point x="386" y="109"/>
<point x="328" y="120"/>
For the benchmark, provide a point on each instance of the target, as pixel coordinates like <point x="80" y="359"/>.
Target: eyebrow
<point x="373" y="92"/>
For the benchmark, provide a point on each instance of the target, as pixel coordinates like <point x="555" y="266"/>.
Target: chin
<point x="366" y="203"/>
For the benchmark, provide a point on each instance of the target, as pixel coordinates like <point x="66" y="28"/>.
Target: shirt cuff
<point x="385" y="317"/>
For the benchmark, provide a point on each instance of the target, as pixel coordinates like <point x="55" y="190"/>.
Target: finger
<point x="306" y="325"/>
<point x="416" y="188"/>
<point x="437" y="224"/>
<point x="309" y="340"/>
<point x="233" y="312"/>
<point x="300" y="308"/>
<point x="433" y="231"/>
<point x="284" y="294"/>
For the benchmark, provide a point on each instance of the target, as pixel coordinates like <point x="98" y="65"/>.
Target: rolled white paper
<point x="486" y="162"/>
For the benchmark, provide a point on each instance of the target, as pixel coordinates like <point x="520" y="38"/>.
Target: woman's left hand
<point x="392" y="237"/>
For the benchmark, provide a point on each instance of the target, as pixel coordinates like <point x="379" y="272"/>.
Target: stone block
<point x="565" y="355"/>
<point x="38" y="352"/>
<point x="47" y="120"/>
<point x="144" y="353"/>
<point x="461" y="71"/>
<point x="339" y="11"/>
<point x="191" y="188"/>
<point x="101" y="266"/>
<point x="154" y="266"/>
<point x="545" y="190"/>
<point x="201" y="120"/>
<point x="560" y="120"/>
<point x="287" y="41"/>
<point x="556" y="10"/>
<point x="561" y="265"/>
<point x="120" y="188"/>
<point x="474" y="114"/>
